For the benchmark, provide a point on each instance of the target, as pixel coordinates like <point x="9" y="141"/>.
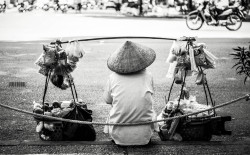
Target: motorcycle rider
<point x="22" y="6"/>
<point x="4" y="5"/>
<point x="57" y="5"/>
<point x="217" y="7"/>
<point x="78" y="6"/>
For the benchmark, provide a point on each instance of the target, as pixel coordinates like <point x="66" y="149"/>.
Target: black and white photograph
<point x="125" y="77"/>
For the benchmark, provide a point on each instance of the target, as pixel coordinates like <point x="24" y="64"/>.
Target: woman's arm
<point x="107" y="93"/>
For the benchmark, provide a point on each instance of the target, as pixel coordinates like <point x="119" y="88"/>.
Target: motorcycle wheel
<point x="194" y="22"/>
<point x="234" y="22"/>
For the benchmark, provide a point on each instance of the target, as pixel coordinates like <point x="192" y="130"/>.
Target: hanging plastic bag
<point x="171" y="56"/>
<point x="178" y="48"/>
<point x="69" y="48"/>
<point x="40" y="61"/>
<point x="79" y="52"/>
<point x="179" y="76"/>
<point x="59" y="77"/>
<point x="194" y="67"/>
<point x="200" y="79"/>
<point x="184" y="61"/>
<point x="200" y="57"/>
<point x="75" y="49"/>
<point x="71" y="63"/>
<point x="171" y="70"/>
<point x="211" y="59"/>
<point x="203" y="57"/>
<point x="48" y="59"/>
<point x="43" y="70"/>
<point x="62" y="57"/>
<point x="50" y="55"/>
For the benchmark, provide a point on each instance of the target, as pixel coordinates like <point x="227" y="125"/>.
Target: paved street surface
<point x="161" y="148"/>
<point x="38" y="25"/>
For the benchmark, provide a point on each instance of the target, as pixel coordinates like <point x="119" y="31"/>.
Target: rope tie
<point x="247" y="97"/>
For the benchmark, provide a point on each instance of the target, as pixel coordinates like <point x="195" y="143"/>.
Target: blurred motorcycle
<point x="88" y="5"/>
<point x="25" y="7"/>
<point x="133" y="8"/>
<point x="130" y="8"/>
<point x="56" y="7"/>
<point x="230" y="18"/>
<point x="84" y="6"/>
<point x="2" y="8"/>
<point x="63" y="7"/>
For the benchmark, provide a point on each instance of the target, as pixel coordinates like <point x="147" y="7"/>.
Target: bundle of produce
<point x="55" y="109"/>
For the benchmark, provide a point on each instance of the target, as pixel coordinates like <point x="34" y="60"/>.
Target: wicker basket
<point x="192" y="129"/>
<point x="195" y="130"/>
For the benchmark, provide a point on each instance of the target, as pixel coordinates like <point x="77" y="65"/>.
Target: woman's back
<point x="132" y="97"/>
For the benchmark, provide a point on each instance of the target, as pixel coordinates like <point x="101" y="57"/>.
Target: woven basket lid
<point x="131" y="57"/>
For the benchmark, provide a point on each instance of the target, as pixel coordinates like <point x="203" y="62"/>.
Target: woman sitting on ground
<point x="129" y="91"/>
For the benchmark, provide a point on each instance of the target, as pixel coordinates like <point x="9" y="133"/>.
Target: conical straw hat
<point x="131" y="57"/>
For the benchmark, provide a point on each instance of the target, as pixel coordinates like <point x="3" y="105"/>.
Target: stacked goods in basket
<point x="56" y="130"/>
<point x="56" y="109"/>
<point x="186" y="106"/>
<point x="176" y="108"/>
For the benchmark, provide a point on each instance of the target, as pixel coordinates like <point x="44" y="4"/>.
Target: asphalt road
<point x="39" y="25"/>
